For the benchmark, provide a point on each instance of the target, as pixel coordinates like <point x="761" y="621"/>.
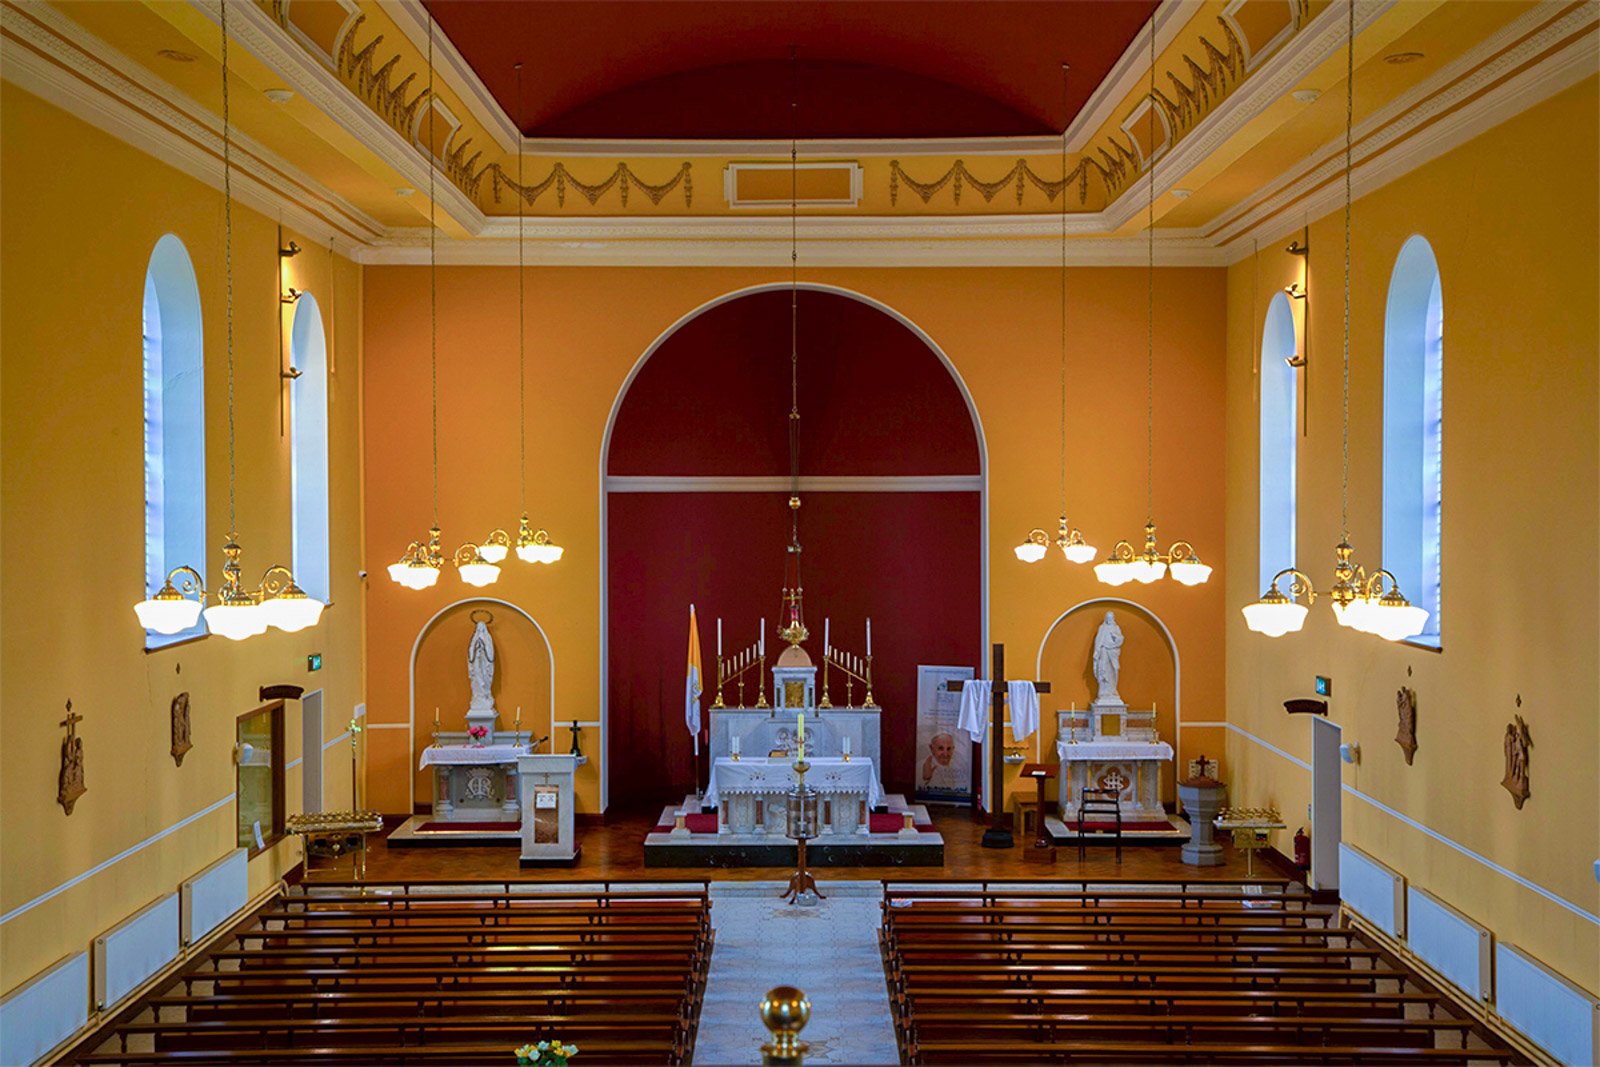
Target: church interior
<point x="834" y="531"/>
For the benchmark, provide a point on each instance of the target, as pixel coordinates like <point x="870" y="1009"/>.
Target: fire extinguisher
<point x="1302" y="849"/>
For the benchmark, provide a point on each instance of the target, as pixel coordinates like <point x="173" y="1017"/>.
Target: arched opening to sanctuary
<point x="696" y="487"/>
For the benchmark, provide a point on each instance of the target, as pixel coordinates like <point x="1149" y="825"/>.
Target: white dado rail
<point x="1535" y="1002"/>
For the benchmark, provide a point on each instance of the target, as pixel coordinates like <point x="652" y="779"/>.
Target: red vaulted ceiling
<point x="715" y="69"/>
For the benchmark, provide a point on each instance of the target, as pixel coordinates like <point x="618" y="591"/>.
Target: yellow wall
<point x="586" y="329"/>
<point x="73" y="517"/>
<point x="1513" y="230"/>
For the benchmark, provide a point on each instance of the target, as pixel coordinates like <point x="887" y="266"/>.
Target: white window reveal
<point x="1279" y="384"/>
<point x="308" y="409"/>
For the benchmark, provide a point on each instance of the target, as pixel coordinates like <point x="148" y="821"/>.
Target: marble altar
<point x="749" y="792"/>
<point x="474" y="783"/>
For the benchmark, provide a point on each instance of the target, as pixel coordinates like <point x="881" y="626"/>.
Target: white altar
<point x="474" y="783"/>
<point x="749" y="792"/>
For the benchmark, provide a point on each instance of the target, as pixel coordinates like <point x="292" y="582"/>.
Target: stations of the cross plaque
<point x="998" y="835"/>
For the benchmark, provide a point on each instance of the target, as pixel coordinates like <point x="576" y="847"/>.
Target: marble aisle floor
<point x="830" y="951"/>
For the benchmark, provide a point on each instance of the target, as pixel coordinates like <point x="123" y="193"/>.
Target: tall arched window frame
<point x="174" y="424"/>
<point x="1413" y="430"/>
<point x="1279" y="438"/>
<point x="308" y="441"/>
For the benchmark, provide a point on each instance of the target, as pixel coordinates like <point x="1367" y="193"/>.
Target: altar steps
<point x="699" y="845"/>
<point x="1174" y="832"/>
<point x="424" y="831"/>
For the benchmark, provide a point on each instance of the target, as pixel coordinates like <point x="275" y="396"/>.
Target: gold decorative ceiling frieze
<point x="622" y="179"/>
<point x="369" y="80"/>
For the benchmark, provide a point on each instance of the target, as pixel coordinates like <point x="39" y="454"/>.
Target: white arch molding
<point x="605" y="456"/>
<point x="411" y="678"/>
<point x="1172" y="647"/>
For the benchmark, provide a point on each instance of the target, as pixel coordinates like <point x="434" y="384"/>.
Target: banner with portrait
<point x="944" y="753"/>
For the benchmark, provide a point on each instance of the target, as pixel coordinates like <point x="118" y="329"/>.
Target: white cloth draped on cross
<point x="976" y="696"/>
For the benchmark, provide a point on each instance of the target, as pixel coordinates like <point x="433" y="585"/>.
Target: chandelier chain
<point x="1349" y="127"/>
<point x="1064" y="111"/>
<point x="227" y="251"/>
<point x="1150" y="303"/>
<point x="433" y="278"/>
<point x="794" y="285"/>
<point x="522" y="314"/>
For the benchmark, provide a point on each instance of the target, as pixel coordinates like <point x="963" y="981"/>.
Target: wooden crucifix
<point x="998" y="835"/>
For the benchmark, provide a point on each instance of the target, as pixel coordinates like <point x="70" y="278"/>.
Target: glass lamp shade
<point x="236" y="621"/>
<point x="539" y="553"/>
<point x="168" y="612"/>
<point x="479" y="572"/>
<point x="1113" y="572"/>
<point x="493" y="553"/>
<point x="1395" y="621"/>
<point x="414" y="575"/>
<point x="291" y="611"/>
<point x="1146" y="571"/>
<point x="1190" y="571"/>
<point x="1030" y="551"/>
<point x="1274" y="616"/>
<point x="1347" y="614"/>
<point x="1076" y="553"/>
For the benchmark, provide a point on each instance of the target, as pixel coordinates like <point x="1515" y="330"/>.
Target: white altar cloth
<point x="470" y="755"/>
<point x="1113" y="749"/>
<point x="771" y="776"/>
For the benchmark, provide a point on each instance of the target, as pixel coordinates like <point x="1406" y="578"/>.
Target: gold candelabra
<point x="734" y="668"/>
<point x="855" y="669"/>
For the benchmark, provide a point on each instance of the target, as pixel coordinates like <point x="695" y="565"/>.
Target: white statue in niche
<point x="480" y="665"/>
<point x="1107" y="661"/>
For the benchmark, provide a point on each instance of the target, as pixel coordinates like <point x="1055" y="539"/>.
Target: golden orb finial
<point x="785" y="1012"/>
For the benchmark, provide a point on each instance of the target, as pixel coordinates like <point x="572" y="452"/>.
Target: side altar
<point x="1092" y="756"/>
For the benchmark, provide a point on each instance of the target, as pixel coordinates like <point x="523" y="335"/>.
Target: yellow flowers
<point x="546" y="1054"/>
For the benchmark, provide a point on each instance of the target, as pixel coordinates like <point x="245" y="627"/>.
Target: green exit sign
<point x="314" y="661"/>
<point x="1324" y="686"/>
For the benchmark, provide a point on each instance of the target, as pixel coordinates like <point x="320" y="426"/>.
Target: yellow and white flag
<point x="694" y="685"/>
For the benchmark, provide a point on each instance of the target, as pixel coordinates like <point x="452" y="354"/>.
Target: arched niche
<point x="525" y="670"/>
<point x="1151" y="670"/>
<point x="694" y="466"/>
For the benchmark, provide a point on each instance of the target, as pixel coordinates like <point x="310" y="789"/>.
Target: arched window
<point x="1278" y="438"/>
<point x="1413" y="416"/>
<point x="308" y="412"/>
<point x="174" y="424"/>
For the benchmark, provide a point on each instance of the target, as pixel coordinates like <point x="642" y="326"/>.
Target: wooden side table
<point x="1043" y="850"/>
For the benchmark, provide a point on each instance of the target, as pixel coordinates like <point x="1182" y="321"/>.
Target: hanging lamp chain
<point x="794" y="290"/>
<point x="227" y="252"/>
<point x="1064" y="112"/>
<point x="433" y="278"/>
<point x="1150" y="304"/>
<point x="1349" y="128"/>
<point x="522" y="314"/>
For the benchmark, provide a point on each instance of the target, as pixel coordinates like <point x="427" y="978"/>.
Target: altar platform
<point x="703" y="842"/>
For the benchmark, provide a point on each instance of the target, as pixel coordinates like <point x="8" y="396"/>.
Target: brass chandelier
<point x="1068" y="538"/>
<point x="1369" y="603"/>
<point x="532" y="546"/>
<point x="1179" y="560"/>
<point x="276" y="601"/>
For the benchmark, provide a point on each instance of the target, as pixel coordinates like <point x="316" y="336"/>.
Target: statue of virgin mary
<point x="480" y="667"/>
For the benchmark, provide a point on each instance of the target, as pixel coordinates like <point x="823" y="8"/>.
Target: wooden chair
<point x="1099" y="805"/>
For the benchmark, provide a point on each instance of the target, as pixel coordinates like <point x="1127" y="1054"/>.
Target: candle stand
<point x="802" y="825"/>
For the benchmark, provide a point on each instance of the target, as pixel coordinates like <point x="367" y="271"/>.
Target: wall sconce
<point x="288" y="251"/>
<point x="291" y="295"/>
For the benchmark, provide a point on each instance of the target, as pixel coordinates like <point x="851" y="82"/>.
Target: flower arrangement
<point x="546" y="1054"/>
<point x="477" y="733"/>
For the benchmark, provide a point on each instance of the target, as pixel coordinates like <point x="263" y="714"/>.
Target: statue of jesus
<point x="1107" y="662"/>
<point x="480" y="667"/>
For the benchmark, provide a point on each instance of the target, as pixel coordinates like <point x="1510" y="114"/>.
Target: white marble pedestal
<point x="549" y="830"/>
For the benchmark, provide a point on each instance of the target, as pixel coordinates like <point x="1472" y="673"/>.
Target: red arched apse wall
<point x="712" y="402"/>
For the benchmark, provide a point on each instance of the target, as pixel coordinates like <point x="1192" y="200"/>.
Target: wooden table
<point x="1043" y="850"/>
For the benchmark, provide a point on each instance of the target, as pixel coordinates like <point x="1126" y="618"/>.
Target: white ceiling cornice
<point x="55" y="58"/>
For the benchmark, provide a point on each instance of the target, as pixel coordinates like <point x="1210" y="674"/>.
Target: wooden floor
<point x="616" y="850"/>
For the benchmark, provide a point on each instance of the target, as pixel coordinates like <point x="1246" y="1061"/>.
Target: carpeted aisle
<point x="830" y="951"/>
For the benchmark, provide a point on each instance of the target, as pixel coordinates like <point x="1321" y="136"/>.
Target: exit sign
<point x="314" y="661"/>
<point x="1324" y="686"/>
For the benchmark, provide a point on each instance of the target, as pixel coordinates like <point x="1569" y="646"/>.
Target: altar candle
<point x="869" y="635"/>
<point x="719" y="637"/>
<point x="846" y="741"/>
<point x="800" y="726"/>
<point x="735" y="745"/>
<point x="826" y="627"/>
<point x="762" y="646"/>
